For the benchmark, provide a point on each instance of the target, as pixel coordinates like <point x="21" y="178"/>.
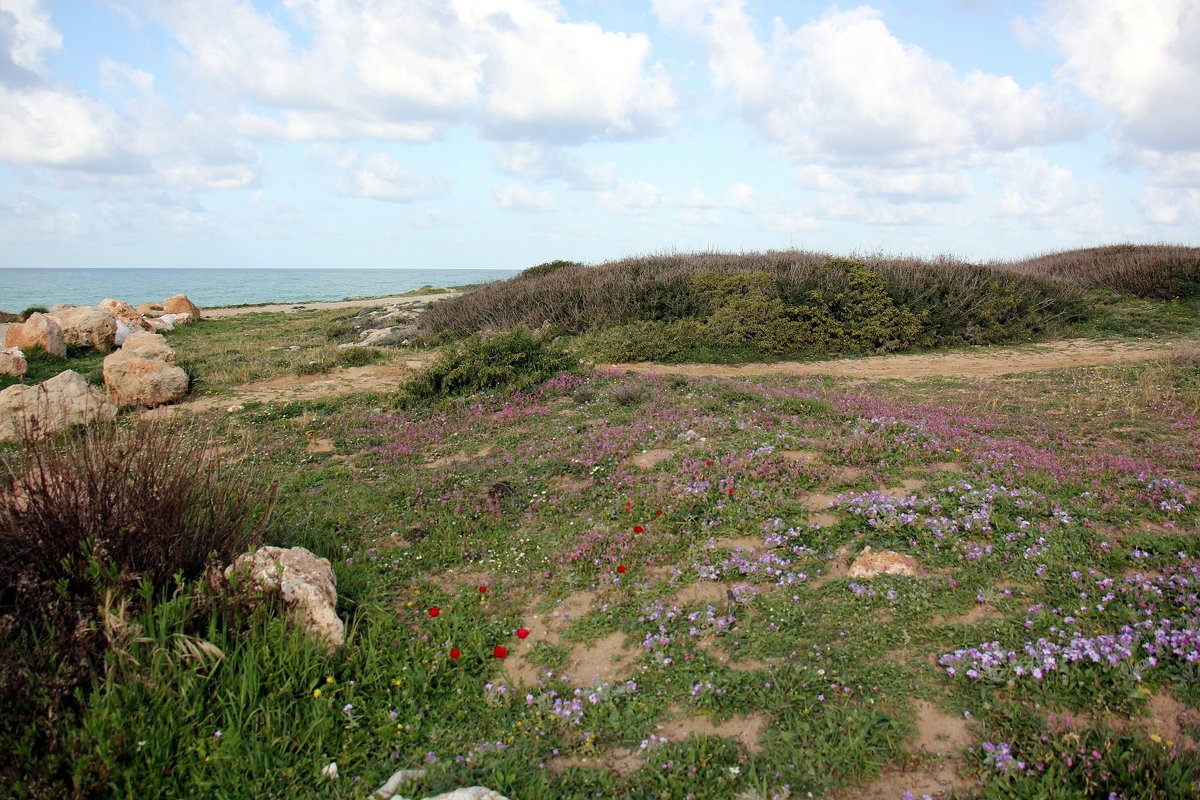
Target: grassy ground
<point x="679" y="552"/>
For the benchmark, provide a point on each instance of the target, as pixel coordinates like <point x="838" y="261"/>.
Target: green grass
<point x="407" y="509"/>
<point x="42" y="366"/>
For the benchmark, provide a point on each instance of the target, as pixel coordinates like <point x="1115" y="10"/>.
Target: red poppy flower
<point x="500" y="651"/>
<point x="638" y="529"/>
<point x="708" y="462"/>
<point x="621" y="569"/>
<point x="455" y="652"/>
<point x="731" y="490"/>
<point x="658" y="513"/>
<point x="433" y="612"/>
<point x="483" y="590"/>
<point x="522" y="633"/>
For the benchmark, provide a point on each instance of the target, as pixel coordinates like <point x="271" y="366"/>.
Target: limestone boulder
<point x="57" y="307"/>
<point x="52" y="406"/>
<point x="149" y="309"/>
<point x="873" y="563"/>
<point x="137" y="379"/>
<point x="87" y="327"/>
<point x="40" y="330"/>
<point x="304" y="582"/>
<point x="179" y="304"/>
<point x="162" y="324"/>
<point x="183" y="319"/>
<point x="150" y="345"/>
<point x="12" y="362"/>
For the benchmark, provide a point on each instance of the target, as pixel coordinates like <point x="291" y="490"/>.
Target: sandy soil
<point x="400" y="300"/>
<point x="983" y="361"/>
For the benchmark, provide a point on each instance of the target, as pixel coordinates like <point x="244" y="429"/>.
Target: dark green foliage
<point x="515" y="360"/>
<point x="743" y="315"/>
<point x="548" y="267"/>
<point x="755" y="305"/>
<point x="28" y="312"/>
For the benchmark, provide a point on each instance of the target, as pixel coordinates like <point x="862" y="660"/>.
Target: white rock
<point x="52" y="406"/>
<point x="392" y="786"/>
<point x="871" y="564"/>
<point x="305" y="583"/>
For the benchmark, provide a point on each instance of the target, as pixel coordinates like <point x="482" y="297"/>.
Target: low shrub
<point x="775" y="303"/>
<point x="1160" y="271"/>
<point x="87" y="517"/>
<point x="28" y="312"/>
<point x="515" y="360"/>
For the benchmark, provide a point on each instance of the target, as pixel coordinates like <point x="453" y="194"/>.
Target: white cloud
<point x="378" y="177"/>
<point x="1139" y="60"/>
<point x="843" y="88"/>
<point x="538" y="161"/>
<point x="515" y="197"/>
<point x="1047" y="195"/>
<point x="28" y="32"/>
<point x="742" y="196"/>
<point x="698" y="198"/>
<point x="408" y="69"/>
<point x="630" y="196"/>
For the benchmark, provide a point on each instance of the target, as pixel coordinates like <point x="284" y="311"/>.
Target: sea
<point x="21" y="288"/>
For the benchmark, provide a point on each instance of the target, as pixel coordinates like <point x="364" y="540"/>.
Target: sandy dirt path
<point x="374" y="302"/>
<point x="986" y="361"/>
<point x="979" y="362"/>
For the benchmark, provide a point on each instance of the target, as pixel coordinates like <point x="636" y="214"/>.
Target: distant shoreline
<point x="408" y="298"/>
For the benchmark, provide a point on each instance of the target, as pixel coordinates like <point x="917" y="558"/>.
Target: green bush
<point x="28" y="312"/>
<point x="515" y="360"/>
<point x="548" y="267"/>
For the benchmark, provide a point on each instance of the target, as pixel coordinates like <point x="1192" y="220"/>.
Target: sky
<point x="505" y="133"/>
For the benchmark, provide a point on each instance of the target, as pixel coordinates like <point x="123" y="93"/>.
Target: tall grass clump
<point x="773" y="303"/>
<point x="1158" y="271"/>
<point x="516" y="360"/>
<point x="89" y="521"/>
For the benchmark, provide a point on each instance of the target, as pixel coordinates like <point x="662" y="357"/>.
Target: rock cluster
<point x="141" y="373"/>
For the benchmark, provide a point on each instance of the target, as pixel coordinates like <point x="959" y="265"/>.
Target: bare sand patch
<point x="905" y="487"/>
<point x="565" y="483"/>
<point x="649" y="459"/>
<point x="977" y="362"/>
<point x="461" y="457"/>
<point x="1168" y="717"/>
<point x="606" y="660"/>
<point x="937" y="780"/>
<point x="738" y="542"/>
<point x="620" y="760"/>
<point x="703" y="592"/>
<point x="939" y="733"/>
<point x="319" y="446"/>
<point x="746" y="729"/>
<point x="800" y="456"/>
<point x="980" y="613"/>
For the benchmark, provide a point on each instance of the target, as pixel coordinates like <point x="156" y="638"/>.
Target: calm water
<point x="21" y="288"/>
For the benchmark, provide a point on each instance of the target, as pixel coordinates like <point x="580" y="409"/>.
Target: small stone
<point x="871" y="564"/>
